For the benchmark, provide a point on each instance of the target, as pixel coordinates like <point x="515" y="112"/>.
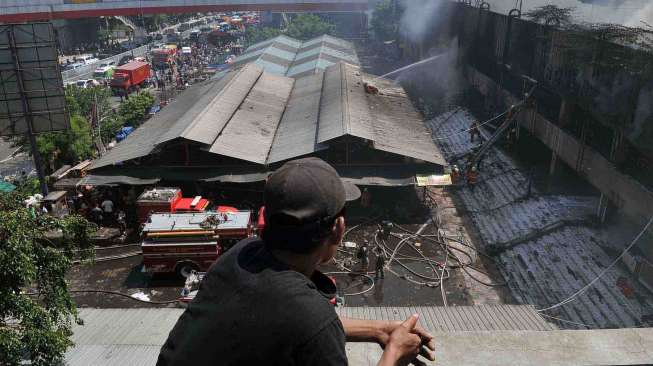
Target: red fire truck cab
<point x="182" y="242"/>
<point x="164" y="199"/>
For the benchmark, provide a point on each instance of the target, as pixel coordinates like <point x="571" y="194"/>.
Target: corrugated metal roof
<point x="297" y="132"/>
<point x="344" y="109"/>
<point x="214" y="111"/>
<point x="143" y="140"/>
<point x="282" y="54"/>
<point x="458" y="318"/>
<point x="121" y="337"/>
<point x="250" y="133"/>
<point x="332" y="108"/>
<point x="291" y="42"/>
<point x="251" y="115"/>
<point x="398" y="126"/>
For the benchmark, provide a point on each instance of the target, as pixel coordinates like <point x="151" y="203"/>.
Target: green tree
<point x="37" y="328"/>
<point x="307" y="26"/>
<point x="68" y="146"/>
<point x="256" y="35"/>
<point x="384" y="21"/>
<point x="551" y="15"/>
<point x="80" y="100"/>
<point x="135" y="108"/>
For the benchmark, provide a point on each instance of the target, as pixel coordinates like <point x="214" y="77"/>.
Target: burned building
<point x="238" y="128"/>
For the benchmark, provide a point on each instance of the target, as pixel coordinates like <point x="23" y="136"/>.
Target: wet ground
<point x="401" y="288"/>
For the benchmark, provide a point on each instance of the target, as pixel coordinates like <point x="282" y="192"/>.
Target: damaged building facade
<point x="590" y="116"/>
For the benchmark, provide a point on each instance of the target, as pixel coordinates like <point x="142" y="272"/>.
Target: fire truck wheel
<point x="183" y="269"/>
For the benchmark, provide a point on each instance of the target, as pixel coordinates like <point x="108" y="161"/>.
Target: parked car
<point x="86" y="83"/>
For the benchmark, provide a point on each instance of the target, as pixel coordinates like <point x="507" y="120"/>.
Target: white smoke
<point x="642" y="18"/>
<point x="418" y="17"/>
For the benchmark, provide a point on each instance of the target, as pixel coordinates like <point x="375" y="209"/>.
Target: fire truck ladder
<point x="510" y="118"/>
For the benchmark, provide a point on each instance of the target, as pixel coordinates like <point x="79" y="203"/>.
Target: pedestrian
<point x="96" y="214"/>
<point x="379" y="265"/>
<point x="122" y="221"/>
<point x="107" y="209"/>
<point x="265" y="302"/>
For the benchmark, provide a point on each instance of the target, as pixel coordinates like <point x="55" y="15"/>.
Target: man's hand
<point x="427" y="344"/>
<point x="403" y="345"/>
<point x="379" y="331"/>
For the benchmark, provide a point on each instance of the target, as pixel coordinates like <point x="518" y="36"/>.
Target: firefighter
<point x="472" y="177"/>
<point x="511" y="138"/>
<point x="363" y="256"/>
<point x="378" y="265"/>
<point x="473" y="131"/>
<point x="455" y="175"/>
<point x="366" y="198"/>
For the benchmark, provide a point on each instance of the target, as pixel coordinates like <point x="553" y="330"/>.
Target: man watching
<point x="265" y="303"/>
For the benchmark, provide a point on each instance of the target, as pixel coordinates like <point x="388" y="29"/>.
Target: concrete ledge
<point x="631" y="346"/>
<point x="563" y="347"/>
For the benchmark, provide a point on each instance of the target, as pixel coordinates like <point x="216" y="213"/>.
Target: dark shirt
<point x="252" y="309"/>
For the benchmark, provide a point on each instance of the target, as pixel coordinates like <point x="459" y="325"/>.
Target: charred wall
<point x="596" y="84"/>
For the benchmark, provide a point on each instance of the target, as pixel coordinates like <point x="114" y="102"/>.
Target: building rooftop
<point x="287" y="56"/>
<point x="258" y="118"/>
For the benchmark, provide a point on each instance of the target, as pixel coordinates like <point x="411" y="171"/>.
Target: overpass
<point x="31" y="10"/>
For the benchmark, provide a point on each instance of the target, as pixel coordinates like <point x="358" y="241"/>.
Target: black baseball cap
<point x="304" y="193"/>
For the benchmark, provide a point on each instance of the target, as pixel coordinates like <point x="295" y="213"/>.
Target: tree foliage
<point x="256" y="35"/>
<point x="307" y="26"/>
<point x="303" y="27"/>
<point x="383" y="21"/>
<point x="134" y="109"/>
<point x="550" y="15"/>
<point x="37" y="328"/>
<point x="72" y="145"/>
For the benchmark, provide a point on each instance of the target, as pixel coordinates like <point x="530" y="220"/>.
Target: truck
<point x="167" y="199"/>
<point x="184" y="243"/>
<point x="104" y="72"/>
<point x="128" y="77"/>
<point x="162" y="57"/>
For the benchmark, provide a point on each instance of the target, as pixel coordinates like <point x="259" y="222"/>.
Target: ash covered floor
<point x="548" y="245"/>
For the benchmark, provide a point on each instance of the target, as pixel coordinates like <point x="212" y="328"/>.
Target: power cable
<point x="566" y="321"/>
<point x="605" y="270"/>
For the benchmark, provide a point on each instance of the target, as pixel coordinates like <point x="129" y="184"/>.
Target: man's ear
<point x="338" y="231"/>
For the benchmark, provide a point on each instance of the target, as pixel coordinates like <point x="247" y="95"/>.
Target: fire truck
<point x="191" y="241"/>
<point x="166" y="199"/>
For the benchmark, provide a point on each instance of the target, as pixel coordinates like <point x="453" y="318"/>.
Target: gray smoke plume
<point x="418" y="17"/>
